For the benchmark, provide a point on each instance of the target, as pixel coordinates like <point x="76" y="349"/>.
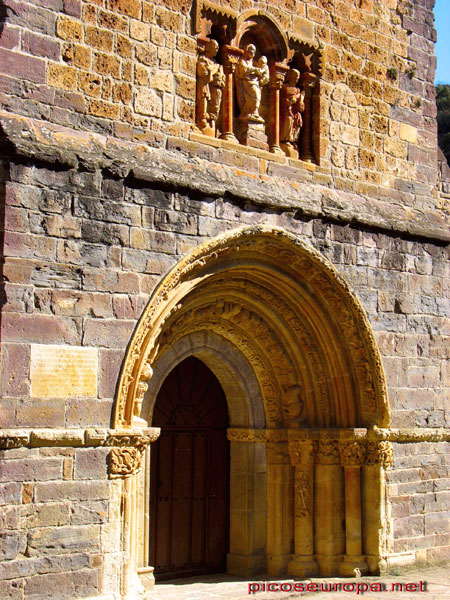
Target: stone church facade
<point x="225" y="292"/>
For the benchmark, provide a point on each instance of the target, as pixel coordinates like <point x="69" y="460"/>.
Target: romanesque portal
<point x="293" y="352"/>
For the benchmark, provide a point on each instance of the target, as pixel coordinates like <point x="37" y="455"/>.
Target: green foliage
<point x="443" y="118"/>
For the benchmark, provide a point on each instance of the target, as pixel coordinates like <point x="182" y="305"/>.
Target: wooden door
<point x="189" y="475"/>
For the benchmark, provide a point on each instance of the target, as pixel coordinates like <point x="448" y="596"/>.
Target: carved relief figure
<point x="291" y="106"/>
<point x="250" y="76"/>
<point x="210" y="84"/>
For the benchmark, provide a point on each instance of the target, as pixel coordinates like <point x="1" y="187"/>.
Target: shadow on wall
<point x="3" y="14"/>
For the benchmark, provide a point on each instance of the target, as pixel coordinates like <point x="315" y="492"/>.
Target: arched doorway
<point x="296" y="356"/>
<point x="189" y="474"/>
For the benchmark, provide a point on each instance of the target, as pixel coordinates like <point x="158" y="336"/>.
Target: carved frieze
<point x="124" y="462"/>
<point x="246" y="435"/>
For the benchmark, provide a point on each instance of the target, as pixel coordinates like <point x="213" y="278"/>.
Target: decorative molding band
<point x="246" y="435"/>
<point x="77" y="438"/>
<point x="411" y="436"/>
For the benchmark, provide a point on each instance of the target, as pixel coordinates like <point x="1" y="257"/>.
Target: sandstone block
<point x="11" y="544"/>
<point x="77" y="55"/>
<point x="146" y="54"/>
<point x="69" y="29"/>
<point x="111" y="20"/>
<point x="408" y="133"/>
<point x="139" y="31"/>
<point x="147" y="102"/>
<point x="31" y="470"/>
<point x="62" y="76"/>
<point x="68" y="585"/>
<point x="101" y="39"/>
<point x="106" y="64"/>
<point x="44" y="515"/>
<point x="10" y="493"/>
<point x="131" y="8"/>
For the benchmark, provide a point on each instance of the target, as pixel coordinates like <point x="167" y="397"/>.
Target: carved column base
<point x="353" y="566"/>
<point x="277" y="565"/>
<point x="289" y="150"/>
<point x="244" y="565"/>
<point x="230" y="137"/>
<point x="276" y="150"/>
<point x="303" y="566"/>
<point x="377" y="565"/>
<point x="251" y="134"/>
<point x="328" y="565"/>
<point x="209" y="131"/>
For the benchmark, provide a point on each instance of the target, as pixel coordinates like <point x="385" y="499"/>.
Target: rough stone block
<point x="72" y="490"/>
<point x="84" y="513"/>
<point x="108" y="333"/>
<point x="91" y="463"/>
<point x="44" y="515"/>
<point x="15" y="378"/>
<point x="31" y="470"/>
<point x="69" y="585"/>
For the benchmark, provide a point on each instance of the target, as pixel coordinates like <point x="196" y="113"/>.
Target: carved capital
<point x="352" y="453"/>
<point x="277" y="74"/>
<point x="302" y="453"/>
<point x="380" y="453"/>
<point x="231" y="56"/>
<point x="124" y="462"/>
<point x="328" y="452"/>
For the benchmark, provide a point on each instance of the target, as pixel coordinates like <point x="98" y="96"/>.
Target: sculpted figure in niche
<point x="250" y="76"/>
<point x="210" y="84"/>
<point x="291" y="107"/>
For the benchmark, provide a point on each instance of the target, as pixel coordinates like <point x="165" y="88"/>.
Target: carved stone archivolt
<point x="239" y="54"/>
<point x="290" y="314"/>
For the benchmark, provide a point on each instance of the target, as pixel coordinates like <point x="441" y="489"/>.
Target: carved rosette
<point x="352" y="453"/>
<point x="380" y="453"/>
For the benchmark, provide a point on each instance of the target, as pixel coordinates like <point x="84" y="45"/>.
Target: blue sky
<point x="442" y="24"/>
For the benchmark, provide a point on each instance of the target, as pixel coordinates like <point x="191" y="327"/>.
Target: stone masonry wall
<point x="83" y="252"/>
<point x="60" y="527"/>
<point x="126" y="68"/>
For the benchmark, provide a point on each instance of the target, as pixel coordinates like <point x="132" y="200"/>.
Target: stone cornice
<point x="38" y="140"/>
<point x="77" y="438"/>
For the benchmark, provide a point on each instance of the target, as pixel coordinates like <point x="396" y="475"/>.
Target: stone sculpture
<point x="210" y="84"/>
<point x="250" y="76"/>
<point x="291" y="106"/>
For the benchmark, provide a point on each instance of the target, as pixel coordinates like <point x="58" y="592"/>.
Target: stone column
<point x="231" y="56"/>
<point x="280" y="495"/>
<point x="125" y="462"/>
<point x="277" y="74"/>
<point x="308" y="81"/>
<point x="352" y="457"/>
<point x="380" y="456"/>
<point x="329" y="507"/>
<point x="248" y="497"/>
<point x="302" y="457"/>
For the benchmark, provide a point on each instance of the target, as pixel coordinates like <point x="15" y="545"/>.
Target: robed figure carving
<point x="210" y="84"/>
<point x="250" y="76"/>
<point x="291" y="107"/>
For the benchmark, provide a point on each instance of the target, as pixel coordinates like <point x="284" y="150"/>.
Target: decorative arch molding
<point x="287" y="310"/>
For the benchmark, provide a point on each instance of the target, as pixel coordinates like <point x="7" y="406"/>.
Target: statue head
<point x="249" y="51"/>
<point x="211" y="48"/>
<point x="292" y="77"/>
